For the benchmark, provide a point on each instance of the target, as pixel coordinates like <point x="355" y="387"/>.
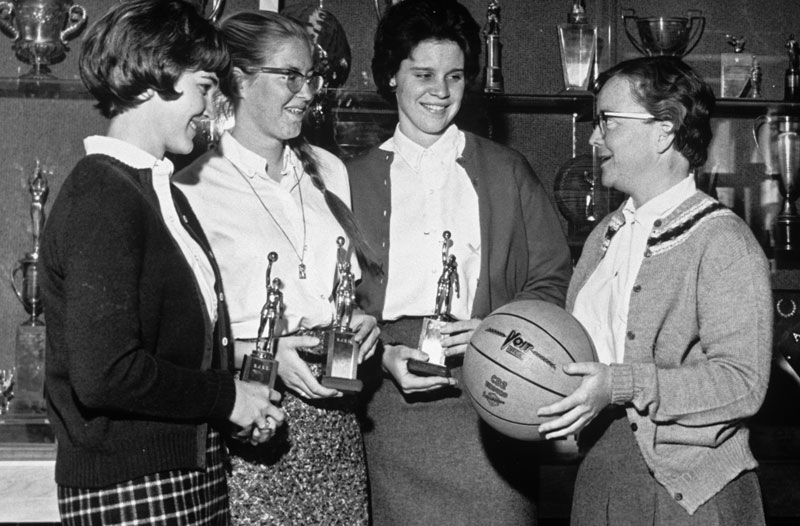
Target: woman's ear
<point x="240" y="80"/>
<point x="666" y="135"/>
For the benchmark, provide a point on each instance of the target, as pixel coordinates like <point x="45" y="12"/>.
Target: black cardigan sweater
<point x="130" y="346"/>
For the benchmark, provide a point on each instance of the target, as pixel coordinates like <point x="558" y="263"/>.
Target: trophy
<point x="341" y="369"/>
<point x="41" y="30"/>
<point x="260" y="365"/>
<point x="791" y="90"/>
<point x="782" y="156"/>
<point x="663" y="35"/>
<point x="430" y="338"/>
<point x="491" y="34"/>
<point x="30" y="338"/>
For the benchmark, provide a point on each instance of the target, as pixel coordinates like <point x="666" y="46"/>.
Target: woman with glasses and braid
<point x="264" y="189"/>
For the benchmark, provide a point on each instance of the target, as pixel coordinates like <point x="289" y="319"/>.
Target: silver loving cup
<point x="665" y="36"/>
<point x="41" y="30"/>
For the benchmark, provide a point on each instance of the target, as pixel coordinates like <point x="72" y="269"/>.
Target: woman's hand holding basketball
<point x="581" y="407"/>
<point x="457" y="335"/>
<point x="395" y="360"/>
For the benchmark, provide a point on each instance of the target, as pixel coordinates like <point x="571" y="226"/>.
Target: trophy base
<point x="341" y="369"/>
<point x="430" y="342"/>
<point x="259" y="370"/>
<point x="427" y="369"/>
<point x="347" y="385"/>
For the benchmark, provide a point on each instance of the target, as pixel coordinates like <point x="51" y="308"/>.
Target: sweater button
<point x="385" y="212"/>
<point x="634" y="427"/>
<point x="637" y="288"/>
<point x="657" y="222"/>
<point x="221" y="296"/>
<point x="679" y="497"/>
<point x="224" y="341"/>
<point x="631" y="335"/>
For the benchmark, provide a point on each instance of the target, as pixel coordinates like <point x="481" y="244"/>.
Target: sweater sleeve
<point x="729" y="381"/>
<point x="115" y="365"/>
<point x="549" y="262"/>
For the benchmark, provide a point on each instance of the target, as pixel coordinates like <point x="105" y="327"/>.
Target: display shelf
<point x="368" y="101"/>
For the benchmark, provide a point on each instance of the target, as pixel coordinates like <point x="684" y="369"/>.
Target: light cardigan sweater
<point x="698" y="350"/>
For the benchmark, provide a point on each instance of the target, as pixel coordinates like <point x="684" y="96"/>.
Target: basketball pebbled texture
<point x="513" y="364"/>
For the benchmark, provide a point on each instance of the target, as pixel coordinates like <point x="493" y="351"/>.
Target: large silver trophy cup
<point x="664" y="35"/>
<point x="781" y="153"/>
<point x="41" y="30"/>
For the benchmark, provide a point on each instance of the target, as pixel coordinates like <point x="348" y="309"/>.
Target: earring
<point x="392" y="83"/>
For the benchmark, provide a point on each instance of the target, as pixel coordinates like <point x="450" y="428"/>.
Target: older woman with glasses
<point x="266" y="189"/>
<point x="674" y="290"/>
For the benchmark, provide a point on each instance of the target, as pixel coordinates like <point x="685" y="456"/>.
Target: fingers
<point x="412" y="383"/>
<point x="455" y="350"/>
<point x="367" y="344"/>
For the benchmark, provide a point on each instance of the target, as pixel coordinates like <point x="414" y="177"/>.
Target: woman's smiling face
<point x="429" y="87"/>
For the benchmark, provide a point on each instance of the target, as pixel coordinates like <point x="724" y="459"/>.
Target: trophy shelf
<point x="346" y="101"/>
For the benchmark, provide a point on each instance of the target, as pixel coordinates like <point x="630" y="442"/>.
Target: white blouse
<point x="222" y="188"/>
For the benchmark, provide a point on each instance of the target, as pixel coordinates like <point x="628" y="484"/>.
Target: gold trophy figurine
<point x="30" y="339"/>
<point x="341" y="370"/>
<point x="260" y="365"/>
<point x="430" y="339"/>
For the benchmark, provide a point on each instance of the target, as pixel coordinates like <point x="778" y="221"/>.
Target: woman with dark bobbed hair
<point x="431" y="461"/>
<point x="674" y="290"/>
<point x="263" y="189"/>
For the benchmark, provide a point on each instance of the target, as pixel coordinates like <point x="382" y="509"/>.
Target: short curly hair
<point x="672" y="91"/>
<point x="407" y="23"/>
<point x="148" y="44"/>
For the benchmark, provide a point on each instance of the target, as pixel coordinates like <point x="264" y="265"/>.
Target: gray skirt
<point x="614" y="486"/>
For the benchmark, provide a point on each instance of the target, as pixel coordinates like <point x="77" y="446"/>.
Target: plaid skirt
<point x="172" y="497"/>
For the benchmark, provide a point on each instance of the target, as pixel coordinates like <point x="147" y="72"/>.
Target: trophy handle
<point x="77" y="19"/>
<point x="17" y="270"/>
<point x="630" y="14"/>
<point x="695" y="30"/>
<point x="6" y="13"/>
<point x="757" y="124"/>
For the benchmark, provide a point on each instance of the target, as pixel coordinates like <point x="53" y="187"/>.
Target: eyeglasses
<point x="601" y="119"/>
<point x="295" y="79"/>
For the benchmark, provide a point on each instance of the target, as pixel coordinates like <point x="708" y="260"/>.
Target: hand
<point x="395" y="360"/>
<point x="366" y="335"/>
<point x="254" y="411"/>
<point x="459" y="334"/>
<point x="294" y="371"/>
<point x="583" y="405"/>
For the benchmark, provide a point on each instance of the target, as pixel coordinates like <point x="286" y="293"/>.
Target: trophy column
<point x="29" y="349"/>
<point x="260" y="365"/>
<point x="341" y="370"/>
<point x="430" y="338"/>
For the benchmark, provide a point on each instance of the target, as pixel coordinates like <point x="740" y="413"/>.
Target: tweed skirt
<point x="176" y="497"/>
<point x="614" y="486"/>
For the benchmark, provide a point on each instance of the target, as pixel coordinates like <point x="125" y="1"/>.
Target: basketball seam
<point x="514" y="372"/>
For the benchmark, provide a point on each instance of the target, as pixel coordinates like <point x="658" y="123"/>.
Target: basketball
<point x="513" y="364"/>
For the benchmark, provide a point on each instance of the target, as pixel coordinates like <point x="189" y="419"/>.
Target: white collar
<point x="127" y="153"/>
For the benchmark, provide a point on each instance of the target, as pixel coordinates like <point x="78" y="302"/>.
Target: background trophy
<point x="30" y="339"/>
<point x="782" y="156"/>
<point x="665" y="35"/>
<point x="341" y="369"/>
<point x="41" y="30"/>
<point x="260" y="365"/>
<point x="430" y="338"/>
<point x="493" y="79"/>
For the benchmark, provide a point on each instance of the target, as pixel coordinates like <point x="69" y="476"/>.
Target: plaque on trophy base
<point x="341" y="368"/>
<point x="29" y="365"/>
<point x="430" y="342"/>
<point x="430" y="338"/>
